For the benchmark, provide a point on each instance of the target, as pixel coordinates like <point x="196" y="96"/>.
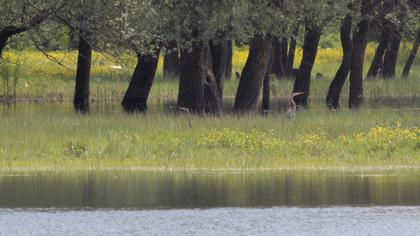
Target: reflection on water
<point x="157" y="190"/>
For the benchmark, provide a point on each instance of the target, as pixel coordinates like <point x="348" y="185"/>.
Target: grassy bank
<point x="59" y="141"/>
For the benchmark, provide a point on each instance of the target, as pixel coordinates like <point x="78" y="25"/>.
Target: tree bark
<point x="358" y="58"/>
<point x="276" y="67"/>
<point x="219" y="51"/>
<point x="266" y="95"/>
<point x="171" y="61"/>
<point x="303" y="80"/>
<point x="411" y="57"/>
<point x="284" y="55"/>
<point x="135" y="99"/>
<point x="3" y="40"/>
<point x="212" y="96"/>
<point x="391" y="55"/>
<point x="81" y="96"/>
<point x="291" y="54"/>
<point x="253" y="74"/>
<point x="334" y="92"/>
<point x="378" y="59"/>
<point x="198" y="90"/>
<point x="266" y="86"/>
<point x="229" y="60"/>
<point x="192" y="76"/>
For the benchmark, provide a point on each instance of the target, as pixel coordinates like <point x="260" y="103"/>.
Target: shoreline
<point x="190" y="170"/>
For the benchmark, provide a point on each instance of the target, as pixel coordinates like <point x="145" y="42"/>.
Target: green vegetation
<point x="43" y="80"/>
<point x="58" y="141"/>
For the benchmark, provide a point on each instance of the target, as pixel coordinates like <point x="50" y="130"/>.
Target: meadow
<point x="57" y="140"/>
<point x="49" y="136"/>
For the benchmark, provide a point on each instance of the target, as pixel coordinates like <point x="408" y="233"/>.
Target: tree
<point x="317" y="16"/>
<point x="171" y="60"/>
<point x="253" y="75"/>
<point x="138" y="27"/>
<point x="20" y="16"/>
<point x="412" y="56"/>
<point x="291" y="54"/>
<point x="85" y="19"/>
<point x="358" y="56"/>
<point x="193" y="24"/>
<point x="334" y="92"/>
<point x="378" y="59"/>
<point x="260" y="22"/>
<point x="303" y="80"/>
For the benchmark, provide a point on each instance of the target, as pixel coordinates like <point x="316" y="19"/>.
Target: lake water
<point x="179" y="203"/>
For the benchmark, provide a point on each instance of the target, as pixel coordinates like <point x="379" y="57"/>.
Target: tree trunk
<point x="198" y="90"/>
<point x="3" y="40"/>
<point x="171" y="61"/>
<point x="334" y="92"/>
<point x="378" y="59"/>
<point x="277" y="64"/>
<point x="219" y="51"/>
<point x="303" y="80"/>
<point x="135" y="99"/>
<point x="266" y="95"/>
<point x="229" y="60"/>
<point x="284" y="55"/>
<point x="81" y="96"/>
<point x="411" y="57"/>
<point x="253" y="74"/>
<point x="192" y="76"/>
<point x="212" y="95"/>
<point x="391" y="56"/>
<point x="266" y="85"/>
<point x="357" y="60"/>
<point x="291" y="55"/>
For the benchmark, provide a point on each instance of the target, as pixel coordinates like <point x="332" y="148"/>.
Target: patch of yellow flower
<point x="376" y="140"/>
<point x="250" y="141"/>
<point x="37" y="64"/>
<point x="387" y="139"/>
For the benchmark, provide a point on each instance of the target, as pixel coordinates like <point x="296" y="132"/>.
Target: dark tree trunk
<point x="284" y="55"/>
<point x="81" y="96"/>
<point x="334" y="92"/>
<point x="279" y="60"/>
<point x="192" y="76"/>
<point x="198" y="90"/>
<point x="253" y="74"/>
<point x="391" y="55"/>
<point x="357" y="60"/>
<point x="212" y="96"/>
<point x="3" y="40"/>
<point x="277" y="63"/>
<point x="378" y="59"/>
<point x="171" y="61"/>
<point x="219" y="51"/>
<point x="229" y="60"/>
<point x="266" y="85"/>
<point x="303" y="80"/>
<point x="135" y="99"/>
<point x="266" y="95"/>
<point x="291" y="55"/>
<point x="411" y="57"/>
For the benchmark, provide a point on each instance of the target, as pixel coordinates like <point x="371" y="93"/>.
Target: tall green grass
<point x="45" y="139"/>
